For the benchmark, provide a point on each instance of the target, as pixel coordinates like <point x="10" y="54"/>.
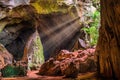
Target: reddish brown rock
<point x="64" y="64"/>
<point x="82" y="56"/>
<point x="50" y="68"/>
<point x="69" y="64"/>
<point x="75" y="53"/>
<point x="5" y="57"/>
<point x="2" y="63"/>
<point x="85" y="66"/>
<point x="92" y="65"/>
<point x="64" y="54"/>
<point x="71" y="71"/>
<point x="46" y="66"/>
<point x="68" y="68"/>
<point x="91" y="51"/>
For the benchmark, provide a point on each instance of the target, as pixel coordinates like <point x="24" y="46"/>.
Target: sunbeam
<point x="61" y="37"/>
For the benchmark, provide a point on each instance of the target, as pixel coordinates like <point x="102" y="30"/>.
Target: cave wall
<point x="57" y="31"/>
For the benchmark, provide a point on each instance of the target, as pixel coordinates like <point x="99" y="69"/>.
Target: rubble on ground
<point x="70" y="64"/>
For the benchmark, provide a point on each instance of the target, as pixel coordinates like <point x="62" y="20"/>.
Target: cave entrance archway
<point x="71" y="25"/>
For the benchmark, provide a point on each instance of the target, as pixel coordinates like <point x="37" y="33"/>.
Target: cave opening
<point x="60" y="33"/>
<point x="67" y="31"/>
<point x="89" y="17"/>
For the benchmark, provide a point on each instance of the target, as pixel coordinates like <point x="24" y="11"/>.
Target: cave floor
<point x="33" y="76"/>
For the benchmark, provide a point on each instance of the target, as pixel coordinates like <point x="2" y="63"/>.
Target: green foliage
<point x="92" y="30"/>
<point x="8" y="71"/>
<point x="12" y="71"/>
<point x="20" y="71"/>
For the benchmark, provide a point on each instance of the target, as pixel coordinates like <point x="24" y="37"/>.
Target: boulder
<point x="68" y="68"/>
<point x="69" y="64"/>
<point x="50" y="68"/>
<point x="64" y="54"/>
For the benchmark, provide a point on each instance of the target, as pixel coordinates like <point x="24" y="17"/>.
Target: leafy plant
<point x="8" y="71"/>
<point x="92" y="30"/>
<point x="12" y="71"/>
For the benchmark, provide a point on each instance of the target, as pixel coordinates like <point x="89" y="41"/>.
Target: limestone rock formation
<point x="33" y="51"/>
<point x="20" y="21"/>
<point x="5" y="57"/>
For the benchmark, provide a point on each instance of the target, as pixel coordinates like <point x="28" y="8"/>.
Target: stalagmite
<point x="33" y="51"/>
